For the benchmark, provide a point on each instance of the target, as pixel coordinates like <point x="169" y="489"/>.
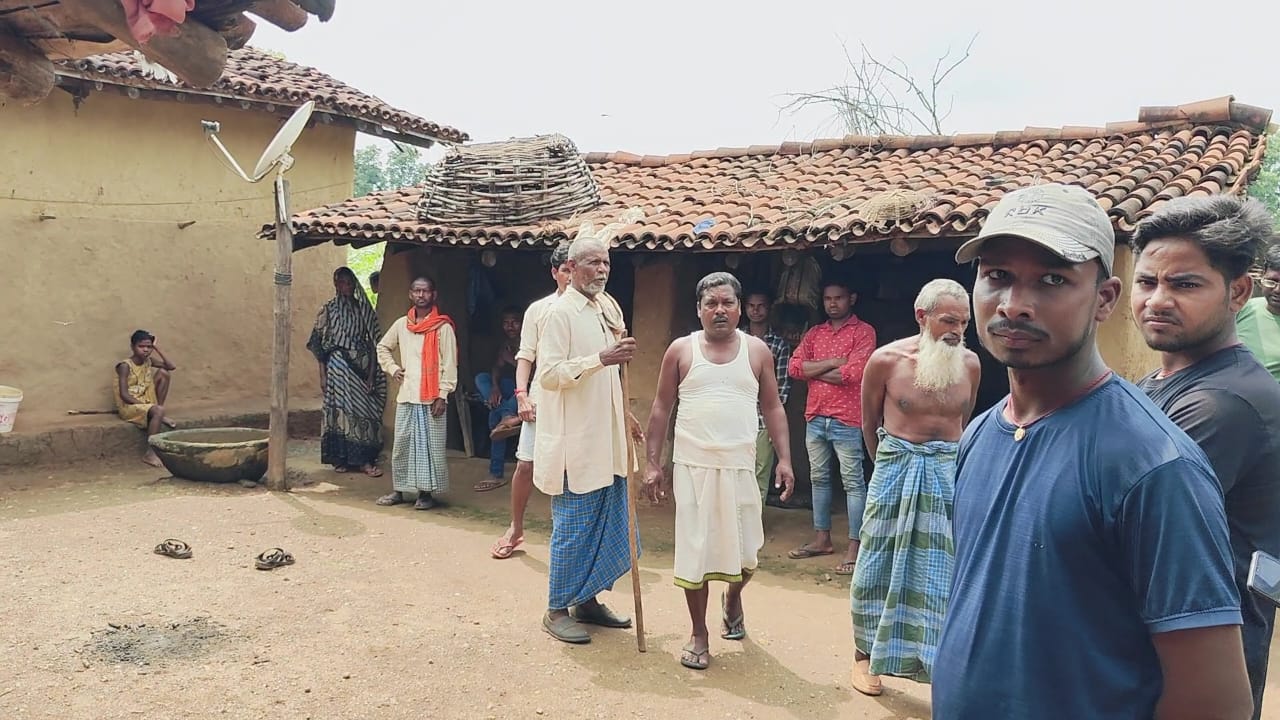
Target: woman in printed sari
<point x="353" y="385"/>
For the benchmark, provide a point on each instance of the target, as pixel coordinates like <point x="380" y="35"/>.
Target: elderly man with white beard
<point x="917" y="395"/>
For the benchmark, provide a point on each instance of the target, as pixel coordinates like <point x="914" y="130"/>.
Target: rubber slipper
<point x="801" y="553"/>
<point x="424" y="502"/>
<point x="175" y="549"/>
<point x="846" y="567"/>
<point x="373" y="471"/>
<point x="504" y="548"/>
<point x="695" y="659"/>
<point x="735" y="630"/>
<point x="272" y="559"/>
<point x="341" y="469"/>
<point x="390" y="499"/>
<point x="489" y="484"/>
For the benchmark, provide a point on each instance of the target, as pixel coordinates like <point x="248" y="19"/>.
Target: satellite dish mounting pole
<point x="278" y="433"/>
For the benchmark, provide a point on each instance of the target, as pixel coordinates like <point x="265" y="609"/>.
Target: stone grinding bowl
<point x="220" y="455"/>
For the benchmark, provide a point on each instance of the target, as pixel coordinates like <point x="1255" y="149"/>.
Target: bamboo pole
<point x="278" y="433"/>
<point x="633" y="524"/>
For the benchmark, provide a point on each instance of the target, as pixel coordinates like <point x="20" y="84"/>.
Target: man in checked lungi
<point x="580" y="451"/>
<point x="428" y="372"/>
<point x="720" y="376"/>
<point x="917" y="395"/>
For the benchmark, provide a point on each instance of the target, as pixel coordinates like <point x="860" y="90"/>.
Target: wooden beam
<point x="903" y="247"/>
<point x="278" y="429"/>
<point x="26" y="75"/>
<point x="322" y="9"/>
<point x="284" y="14"/>
<point x="237" y="34"/>
<point x="196" y="53"/>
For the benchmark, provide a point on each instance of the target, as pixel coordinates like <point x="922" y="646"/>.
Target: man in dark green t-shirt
<point x="1258" y="323"/>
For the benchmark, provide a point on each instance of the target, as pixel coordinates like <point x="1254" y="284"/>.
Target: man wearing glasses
<point x="1258" y="324"/>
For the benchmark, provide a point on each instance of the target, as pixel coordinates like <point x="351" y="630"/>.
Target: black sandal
<point x="175" y="549"/>
<point x="272" y="559"/>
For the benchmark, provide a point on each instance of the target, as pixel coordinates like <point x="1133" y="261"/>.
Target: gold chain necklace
<point x="1020" y="431"/>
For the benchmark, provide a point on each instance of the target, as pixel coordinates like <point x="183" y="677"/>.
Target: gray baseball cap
<point x="1063" y="219"/>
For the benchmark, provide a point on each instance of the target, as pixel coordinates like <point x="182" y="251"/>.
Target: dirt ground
<point x="388" y="612"/>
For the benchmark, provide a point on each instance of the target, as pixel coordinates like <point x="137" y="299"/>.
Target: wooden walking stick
<point x="632" y="522"/>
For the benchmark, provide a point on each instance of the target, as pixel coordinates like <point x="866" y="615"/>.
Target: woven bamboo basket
<point x="519" y="181"/>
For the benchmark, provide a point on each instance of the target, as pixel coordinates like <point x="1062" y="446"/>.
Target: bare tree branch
<point x="885" y="98"/>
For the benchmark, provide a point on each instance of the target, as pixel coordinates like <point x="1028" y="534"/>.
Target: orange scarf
<point x="427" y="327"/>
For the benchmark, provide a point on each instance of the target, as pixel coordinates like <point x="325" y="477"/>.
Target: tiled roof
<point x="256" y="76"/>
<point x="804" y="194"/>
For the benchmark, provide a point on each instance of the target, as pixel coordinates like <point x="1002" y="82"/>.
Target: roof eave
<point x="80" y="85"/>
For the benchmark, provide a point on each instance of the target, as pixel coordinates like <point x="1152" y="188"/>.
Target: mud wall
<point x="116" y="180"/>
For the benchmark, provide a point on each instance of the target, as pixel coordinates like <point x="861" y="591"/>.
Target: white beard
<point x="938" y="365"/>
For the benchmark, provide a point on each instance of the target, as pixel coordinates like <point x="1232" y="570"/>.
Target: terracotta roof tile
<point x="806" y="194"/>
<point x="254" y="75"/>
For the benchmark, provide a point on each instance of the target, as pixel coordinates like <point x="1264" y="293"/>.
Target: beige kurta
<point x="535" y="318"/>
<point x="581" y="431"/>
<point x="409" y="344"/>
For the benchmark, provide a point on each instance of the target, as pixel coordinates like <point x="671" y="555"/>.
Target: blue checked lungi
<point x="589" y="548"/>
<point x="418" y="454"/>
<point x="901" y="583"/>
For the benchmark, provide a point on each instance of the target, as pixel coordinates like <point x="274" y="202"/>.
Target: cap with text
<point x="1066" y="220"/>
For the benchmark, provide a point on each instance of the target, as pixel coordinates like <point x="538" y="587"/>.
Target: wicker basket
<point x="517" y="182"/>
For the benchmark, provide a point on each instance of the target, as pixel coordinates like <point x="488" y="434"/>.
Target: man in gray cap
<point x="1093" y="573"/>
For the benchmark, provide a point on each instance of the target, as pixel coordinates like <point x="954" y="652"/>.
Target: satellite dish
<point x="277" y="152"/>
<point x="280" y="145"/>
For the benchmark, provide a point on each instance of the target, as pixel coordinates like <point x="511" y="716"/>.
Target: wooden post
<point x="633" y="523"/>
<point x="278" y="437"/>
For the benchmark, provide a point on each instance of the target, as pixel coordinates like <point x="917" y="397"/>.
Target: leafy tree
<point x="400" y="167"/>
<point x="1266" y="186"/>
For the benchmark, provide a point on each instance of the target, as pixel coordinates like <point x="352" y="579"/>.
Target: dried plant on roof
<point x="516" y="182"/>
<point x="885" y="98"/>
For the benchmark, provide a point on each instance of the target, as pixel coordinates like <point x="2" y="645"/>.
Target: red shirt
<point x="854" y="340"/>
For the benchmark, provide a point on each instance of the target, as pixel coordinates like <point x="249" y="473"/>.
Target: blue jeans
<point x="822" y="436"/>
<point x="507" y="408"/>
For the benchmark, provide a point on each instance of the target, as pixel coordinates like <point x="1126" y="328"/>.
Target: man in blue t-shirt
<point x="1093" y="572"/>
<point x="1190" y="279"/>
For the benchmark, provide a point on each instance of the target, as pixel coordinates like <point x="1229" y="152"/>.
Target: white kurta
<point x="719" y="531"/>
<point x="581" y="431"/>
<point x="409" y="343"/>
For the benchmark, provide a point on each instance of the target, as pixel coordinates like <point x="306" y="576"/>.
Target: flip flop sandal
<point x="175" y="549"/>
<point x="489" y="485"/>
<point x="424" y="503"/>
<point x="504" y="548"/>
<point x="341" y="469"/>
<point x="801" y="553"/>
<point x="695" y="659"/>
<point x="391" y="499"/>
<point x="846" y="567"/>
<point x="272" y="559"/>
<point x="373" y="471"/>
<point x="735" y="630"/>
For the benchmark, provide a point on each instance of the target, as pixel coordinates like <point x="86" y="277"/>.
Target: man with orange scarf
<point x="428" y="373"/>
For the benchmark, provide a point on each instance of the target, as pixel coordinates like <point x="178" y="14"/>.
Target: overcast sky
<point x="671" y="77"/>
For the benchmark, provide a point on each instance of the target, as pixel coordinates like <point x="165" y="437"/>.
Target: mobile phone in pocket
<point x="1264" y="577"/>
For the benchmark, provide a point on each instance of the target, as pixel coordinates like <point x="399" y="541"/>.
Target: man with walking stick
<point x="718" y="374"/>
<point x="580" y="450"/>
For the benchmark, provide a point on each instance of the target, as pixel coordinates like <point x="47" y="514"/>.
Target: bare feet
<point x="151" y="459"/>
<point x="169" y="423"/>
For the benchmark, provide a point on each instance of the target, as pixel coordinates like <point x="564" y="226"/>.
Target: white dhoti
<point x="719" y="531"/>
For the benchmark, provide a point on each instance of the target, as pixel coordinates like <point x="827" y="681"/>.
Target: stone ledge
<point x="106" y="437"/>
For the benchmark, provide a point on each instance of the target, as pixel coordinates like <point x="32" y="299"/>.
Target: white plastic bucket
<point x="10" y="398"/>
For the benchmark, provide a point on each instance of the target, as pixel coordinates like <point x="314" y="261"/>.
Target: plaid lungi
<point x="418" y="455"/>
<point x="589" y="547"/>
<point x="901" y="583"/>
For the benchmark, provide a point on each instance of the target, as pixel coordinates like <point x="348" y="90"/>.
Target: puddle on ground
<point x="157" y="643"/>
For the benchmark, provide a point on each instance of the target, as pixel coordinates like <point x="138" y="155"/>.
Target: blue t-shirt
<point x="1103" y="526"/>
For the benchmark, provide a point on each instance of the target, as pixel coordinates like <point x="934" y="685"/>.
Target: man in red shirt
<point x="831" y="357"/>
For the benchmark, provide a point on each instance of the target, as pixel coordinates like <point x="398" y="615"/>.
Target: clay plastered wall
<point x="118" y="176"/>
<point x="1119" y="341"/>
